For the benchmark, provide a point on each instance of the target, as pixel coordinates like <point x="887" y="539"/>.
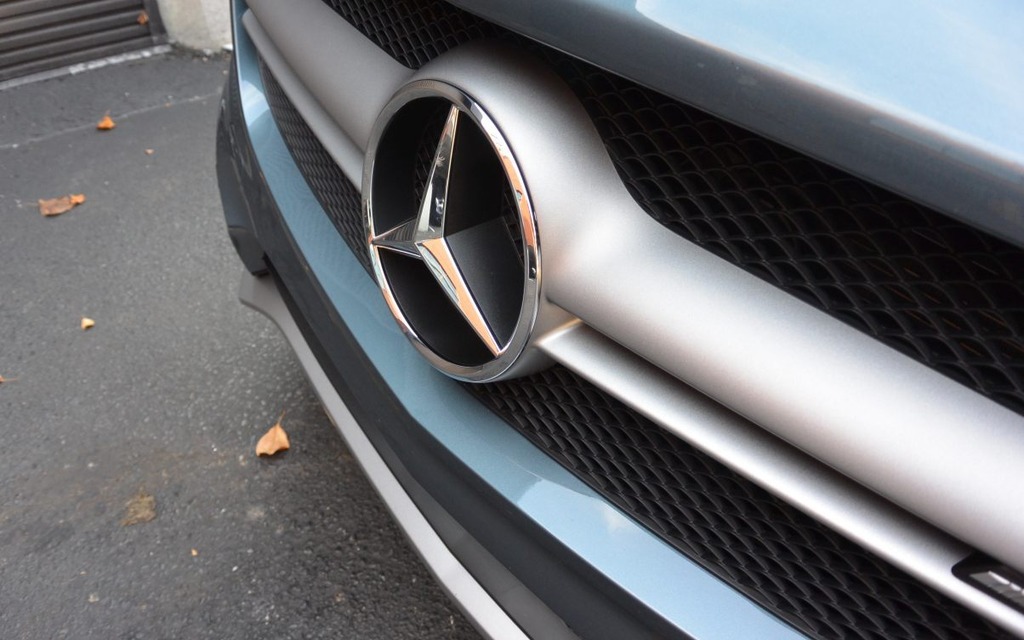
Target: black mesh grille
<point x="938" y="290"/>
<point x="336" y="193"/>
<point x="808" y="575"/>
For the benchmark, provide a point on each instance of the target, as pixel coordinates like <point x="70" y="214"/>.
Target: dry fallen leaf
<point x="143" y="18"/>
<point x="273" y="440"/>
<point x="106" y="123"/>
<point x="63" y="204"/>
<point x="3" y="379"/>
<point x="141" y="508"/>
<point x="87" y="323"/>
<point x="149" y="152"/>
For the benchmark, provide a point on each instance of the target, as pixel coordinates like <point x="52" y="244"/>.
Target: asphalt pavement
<point x="165" y="396"/>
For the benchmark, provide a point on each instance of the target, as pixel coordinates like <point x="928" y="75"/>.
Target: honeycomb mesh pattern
<point x="795" y="567"/>
<point x="937" y="290"/>
<point x="413" y="32"/>
<point x="332" y="188"/>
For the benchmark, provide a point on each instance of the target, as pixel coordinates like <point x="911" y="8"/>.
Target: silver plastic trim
<point x="483" y="611"/>
<point x="906" y="541"/>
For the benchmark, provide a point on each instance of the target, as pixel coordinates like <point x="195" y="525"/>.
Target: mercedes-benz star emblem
<point x="451" y="232"/>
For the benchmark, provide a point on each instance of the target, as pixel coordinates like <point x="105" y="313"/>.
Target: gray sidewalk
<point x="167" y="395"/>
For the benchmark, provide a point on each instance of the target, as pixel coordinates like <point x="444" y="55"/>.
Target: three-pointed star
<point x="423" y="237"/>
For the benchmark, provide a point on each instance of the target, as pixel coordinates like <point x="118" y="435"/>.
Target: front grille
<point x="818" y="581"/>
<point x="936" y="289"/>
<point x="335" y="192"/>
<point x="796" y="568"/>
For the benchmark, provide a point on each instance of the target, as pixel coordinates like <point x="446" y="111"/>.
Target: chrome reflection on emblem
<point x="455" y="251"/>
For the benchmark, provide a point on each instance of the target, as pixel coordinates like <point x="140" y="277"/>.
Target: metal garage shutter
<point x="36" y="35"/>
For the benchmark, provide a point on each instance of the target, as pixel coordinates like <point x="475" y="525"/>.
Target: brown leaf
<point x="63" y="204"/>
<point x="3" y="379"/>
<point x="143" y="18"/>
<point x="149" y="152"/>
<point x="106" y="123"/>
<point x="87" y="323"/>
<point x="141" y="508"/>
<point x="273" y="440"/>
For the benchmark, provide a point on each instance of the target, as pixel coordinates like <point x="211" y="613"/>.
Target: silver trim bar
<point x="486" y="615"/>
